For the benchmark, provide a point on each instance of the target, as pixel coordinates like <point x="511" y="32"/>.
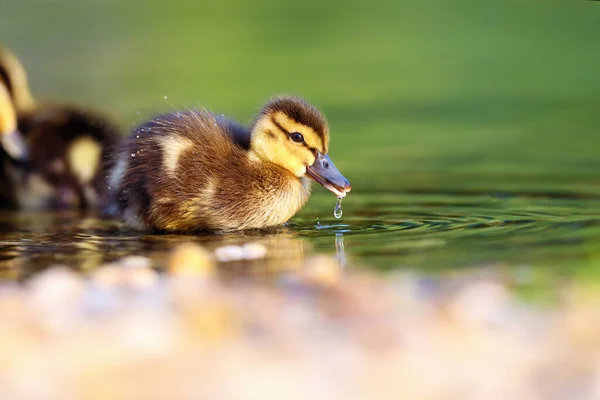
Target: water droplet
<point x="137" y="136"/>
<point x="337" y="211"/>
<point x="165" y="97"/>
<point x="132" y="154"/>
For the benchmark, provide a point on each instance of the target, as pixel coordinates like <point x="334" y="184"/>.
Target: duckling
<point x="65" y="148"/>
<point x="189" y="171"/>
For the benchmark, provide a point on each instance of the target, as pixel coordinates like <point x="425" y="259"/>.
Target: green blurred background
<point x="420" y="95"/>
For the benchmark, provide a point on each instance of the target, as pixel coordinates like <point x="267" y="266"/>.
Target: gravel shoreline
<point x="126" y="331"/>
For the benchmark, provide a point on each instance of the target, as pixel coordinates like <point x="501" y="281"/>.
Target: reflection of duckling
<point x="67" y="147"/>
<point x="194" y="171"/>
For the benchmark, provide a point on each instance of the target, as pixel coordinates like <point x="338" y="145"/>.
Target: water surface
<point x="469" y="131"/>
<point x="387" y="231"/>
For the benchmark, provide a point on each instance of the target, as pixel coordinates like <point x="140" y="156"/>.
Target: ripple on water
<point x="394" y="230"/>
<point x="381" y="230"/>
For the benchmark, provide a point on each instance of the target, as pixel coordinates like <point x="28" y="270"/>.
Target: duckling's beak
<point x="324" y="172"/>
<point x="15" y="146"/>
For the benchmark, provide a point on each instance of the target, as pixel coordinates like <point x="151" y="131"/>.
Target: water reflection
<point x="33" y="241"/>
<point x="384" y="231"/>
<point x="339" y="250"/>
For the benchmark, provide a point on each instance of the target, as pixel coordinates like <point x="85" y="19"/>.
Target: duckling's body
<point x="67" y="148"/>
<point x="193" y="171"/>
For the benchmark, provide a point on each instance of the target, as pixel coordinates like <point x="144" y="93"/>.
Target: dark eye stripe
<point x="282" y="129"/>
<point x="312" y="149"/>
<point x="278" y="125"/>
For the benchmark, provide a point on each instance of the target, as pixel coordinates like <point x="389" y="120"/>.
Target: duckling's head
<point x="14" y="79"/>
<point x="10" y="139"/>
<point x="294" y="135"/>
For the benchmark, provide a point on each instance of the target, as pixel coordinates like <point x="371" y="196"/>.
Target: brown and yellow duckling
<point x="192" y="170"/>
<point x="64" y="150"/>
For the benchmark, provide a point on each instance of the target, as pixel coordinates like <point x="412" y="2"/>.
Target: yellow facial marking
<point x="172" y="149"/>
<point x="270" y="143"/>
<point x="8" y="116"/>
<point x="84" y="158"/>
<point x="22" y="98"/>
<point x="310" y="136"/>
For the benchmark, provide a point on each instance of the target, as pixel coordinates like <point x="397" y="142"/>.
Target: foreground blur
<point x="126" y="331"/>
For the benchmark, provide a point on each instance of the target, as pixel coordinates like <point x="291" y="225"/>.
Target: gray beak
<point x="325" y="172"/>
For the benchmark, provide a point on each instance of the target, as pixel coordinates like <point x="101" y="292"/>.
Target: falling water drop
<point x="337" y="211"/>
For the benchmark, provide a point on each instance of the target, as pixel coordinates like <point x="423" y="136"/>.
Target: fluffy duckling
<point x="192" y="170"/>
<point x="65" y="149"/>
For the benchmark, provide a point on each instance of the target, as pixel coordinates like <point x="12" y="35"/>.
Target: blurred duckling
<point x="192" y="170"/>
<point x="11" y="151"/>
<point x="65" y="150"/>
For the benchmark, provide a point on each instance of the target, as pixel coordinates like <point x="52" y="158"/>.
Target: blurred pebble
<point x="191" y="259"/>
<point x="322" y="271"/>
<point x="254" y="251"/>
<point x="57" y="287"/>
<point x="56" y="295"/>
<point x="136" y="262"/>
<point x="108" y="275"/>
<point x="480" y="303"/>
<point x="249" y="251"/>
<point x="141" y="278"/>
<point x="383" y="337"/>
<point x="133" y="275"/>
<point x="229" y="253"/>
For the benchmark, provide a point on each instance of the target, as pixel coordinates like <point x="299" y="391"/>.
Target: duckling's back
<point x="189" y="171"/>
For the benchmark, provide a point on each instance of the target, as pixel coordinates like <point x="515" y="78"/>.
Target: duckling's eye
<point x="297" y="137"/>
